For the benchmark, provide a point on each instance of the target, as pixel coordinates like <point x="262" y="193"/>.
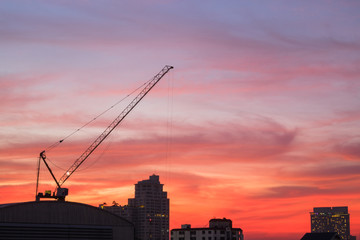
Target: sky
<point x="258" y="121"/>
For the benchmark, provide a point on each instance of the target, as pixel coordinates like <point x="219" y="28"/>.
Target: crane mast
<point x="62" y="192"/>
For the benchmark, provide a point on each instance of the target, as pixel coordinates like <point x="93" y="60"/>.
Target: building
<point x="321" y="236"/>
<point x="219" y="229"/>
<point x="331" y="219"/>
<point x="148" y="210"/>
<point x="61" y="220"/>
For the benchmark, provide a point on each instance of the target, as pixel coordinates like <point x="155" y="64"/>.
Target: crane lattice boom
<point x="109" y="129"/>
<point x="114" y="124"/>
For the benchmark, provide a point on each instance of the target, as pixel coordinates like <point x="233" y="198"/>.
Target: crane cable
<point x="49" y="160"/>
<point x="169" y="125"/>
<point x="95" y="118"/>
<point x="169" y="128"/>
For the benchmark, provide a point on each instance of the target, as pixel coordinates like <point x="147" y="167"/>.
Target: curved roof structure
<point x="61" y="220"/>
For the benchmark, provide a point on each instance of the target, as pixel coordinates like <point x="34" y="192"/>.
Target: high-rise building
<point x="331" y="219"/>
<point x="151" y="210"/>
<point x="219" y="229"/>
<point x="148" y="210"/>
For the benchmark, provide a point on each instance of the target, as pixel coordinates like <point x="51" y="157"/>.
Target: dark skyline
<point x="148" y="210"/>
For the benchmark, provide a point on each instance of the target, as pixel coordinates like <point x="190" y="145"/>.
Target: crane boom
<point x="114" y="124"/>
<point x="109" y="129"/>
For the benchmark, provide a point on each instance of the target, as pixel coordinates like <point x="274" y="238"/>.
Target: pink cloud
<point x="350" y="150"/>
<point x="264" y="118"/>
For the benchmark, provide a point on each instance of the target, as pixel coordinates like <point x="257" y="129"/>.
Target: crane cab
<point x="62" y="192"/>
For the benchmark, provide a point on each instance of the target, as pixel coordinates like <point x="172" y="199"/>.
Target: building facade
<point x="148" y="210"/>
<point x="331" y="219"/>
<point x="219" y="229"/>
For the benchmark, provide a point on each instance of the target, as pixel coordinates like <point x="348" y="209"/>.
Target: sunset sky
<point x="258" y="122"/>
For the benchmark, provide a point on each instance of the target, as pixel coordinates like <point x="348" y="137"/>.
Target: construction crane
<point x="60" y="192"/>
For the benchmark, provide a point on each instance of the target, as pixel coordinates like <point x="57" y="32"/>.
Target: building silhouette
<point x="331" y="219"/>
<point x="61" y="220"/>
<point x="321" y="236"/>
<point x="219" y="229"/>
<point x="148" y="210"/>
